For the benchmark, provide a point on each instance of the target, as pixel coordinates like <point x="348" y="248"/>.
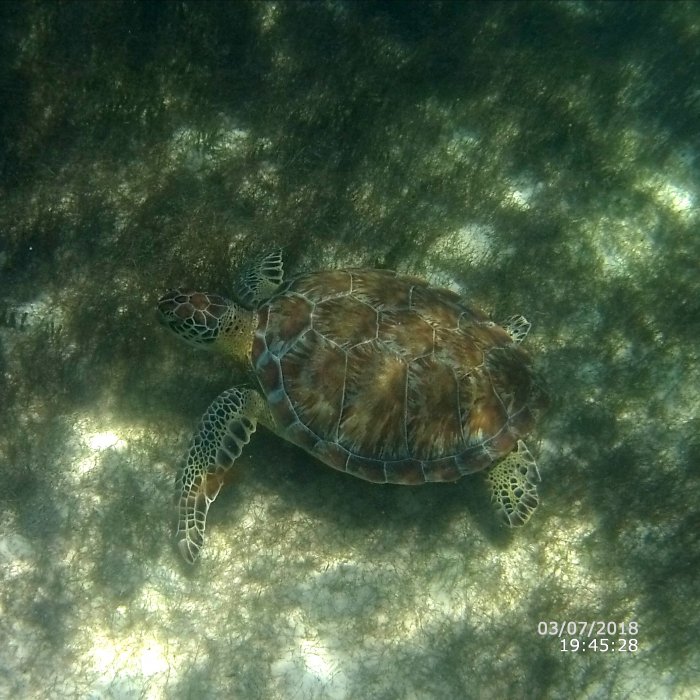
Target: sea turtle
<point x="375" y="374"/>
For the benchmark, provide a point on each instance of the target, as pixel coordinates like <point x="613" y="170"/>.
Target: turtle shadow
<point x="356" y="509"/>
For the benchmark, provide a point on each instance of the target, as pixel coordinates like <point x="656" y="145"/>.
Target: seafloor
<point x="540" y="158"/>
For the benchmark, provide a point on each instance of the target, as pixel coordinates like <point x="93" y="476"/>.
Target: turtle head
<point x="207" y="320"/>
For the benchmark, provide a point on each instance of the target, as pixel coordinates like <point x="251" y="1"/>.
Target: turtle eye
<point x="168" y="303"/>
<point x="175" y="305"/>
<point x="192" y="316"/>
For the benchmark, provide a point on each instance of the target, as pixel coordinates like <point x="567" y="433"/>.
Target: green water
<point x="538" y="158"/>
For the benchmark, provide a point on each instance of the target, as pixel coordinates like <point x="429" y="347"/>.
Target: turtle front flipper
<point x="261" y="280"/>
<point x="223" y="431"/>
<point x="512" y="482"/>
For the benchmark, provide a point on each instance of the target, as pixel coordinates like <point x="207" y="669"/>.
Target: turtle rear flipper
<point x="223" y="432"/>
<point x="513" y="485"/>
<point x="517" y="328"/>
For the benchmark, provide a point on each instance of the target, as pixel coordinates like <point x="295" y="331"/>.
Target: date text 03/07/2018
<point x="589" y="629"/>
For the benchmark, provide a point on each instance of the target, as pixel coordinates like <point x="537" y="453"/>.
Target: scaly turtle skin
<point x="375" y="374"/>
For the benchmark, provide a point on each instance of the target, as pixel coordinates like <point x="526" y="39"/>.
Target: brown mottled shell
<point x="389" y="379"/>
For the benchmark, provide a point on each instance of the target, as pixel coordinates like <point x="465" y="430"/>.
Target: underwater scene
<point x="537" y="164"/>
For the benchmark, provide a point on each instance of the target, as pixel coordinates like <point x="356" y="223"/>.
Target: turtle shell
<point x="391" y="380"/>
